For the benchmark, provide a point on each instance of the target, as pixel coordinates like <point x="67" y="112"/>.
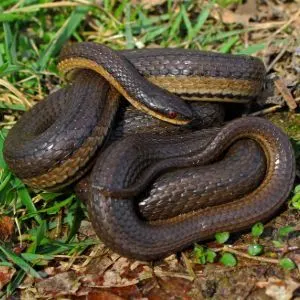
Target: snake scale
<point x="158" y="183"/>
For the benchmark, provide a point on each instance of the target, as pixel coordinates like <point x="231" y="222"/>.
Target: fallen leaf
<point x="104" y="295"/>
<point x="248" y="9"/>
<point x="6" y="274"/>
<point x="86" y="229"/>
<point x="123" y="272"/>
<point x="241" y="15"/>
<point x="66" y="283"/>
<point x="279" y="289"/>
<point x="175" y="288"/>
<point x="99" y="265"/>
<point x="6" y="228"/>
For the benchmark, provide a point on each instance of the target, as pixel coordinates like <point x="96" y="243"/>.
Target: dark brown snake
<point x="154" y="194"/>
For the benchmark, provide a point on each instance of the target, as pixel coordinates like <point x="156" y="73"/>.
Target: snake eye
<point x="172" y="115"/>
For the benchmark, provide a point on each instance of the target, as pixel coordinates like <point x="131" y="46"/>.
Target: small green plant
<point x="204" y="255"/>
<point x="257" y="229"/>
<point x="228" y="259"/>
<point x="284" y="231"/>
<point x="229" y="254"/>
<point x="255" y="249"/>
<point x="222" y="237"/>
<point x="295" y="201"/>
<point x="282" y="234"/>
<point x="278" y="244"/>
<point x="287" y="264"/>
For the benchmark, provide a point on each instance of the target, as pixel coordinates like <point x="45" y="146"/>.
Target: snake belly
<point x="55" y="143"/>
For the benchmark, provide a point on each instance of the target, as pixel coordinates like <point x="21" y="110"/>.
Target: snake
<point x="71" y="132"/>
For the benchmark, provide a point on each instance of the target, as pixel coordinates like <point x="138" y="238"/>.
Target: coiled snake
<point x="154" y="194"/>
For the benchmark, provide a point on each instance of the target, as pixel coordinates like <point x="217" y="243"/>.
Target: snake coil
<point x="140" y="204"/>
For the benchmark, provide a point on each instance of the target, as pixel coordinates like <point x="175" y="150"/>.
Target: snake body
<point x="121" y="228"/>
<point x="55" y="143"/>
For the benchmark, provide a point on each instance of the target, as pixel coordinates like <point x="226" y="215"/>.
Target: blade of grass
<point x="62" y="36"/>
<point x="226" y="47"/>
<point x="5" y="181"/>
<point x="16" y="281"/>
<point x="27" y="201"/>
<point x="39" y="235"/>
<point x="18" y="107"/>
<point x="128" y="30"/>
<point x="7" y="69"/>
<point x="48" y="196"/>
<point x="151" y="36"/>
<point x="108" y="5"/>
<point x="10" y="17"/>
<point x="118" y="12"/>
<point x="176" y="24"/>
<point x="202" y="19"/>
<point x="6" y="264"/>
<point x="58" y="205"/>
<point x="58" y="247"/>
<point x="74" y="217"/>
<point x="148" y="21"/>
<point x="49" y="210"/>
<point x="5" y="3"/>
<point x="187" y="23"/>
<point x="37" y="7"/>
<point x="222" y="35"/>
<point x="252" y="49"/>
<point x="37" y="259"/>
<point x="21" y="263"/>
<point x="3" y="134"/>
<point x="10" y="44"/>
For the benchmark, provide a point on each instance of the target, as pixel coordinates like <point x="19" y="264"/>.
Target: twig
<point x="270" y="248"/>
<point x="268" y="25"/>
<point x="258" y="258"/>
<point x="266" y="110"/>
<point x="188" y="265"/>
<point x="280" y="54"/>
<point x="96" y="251"/>
<point x="36" y="7"/>
<point x="290" y="21"/>
<point x="286" y="94"/>
<point x="160" y="273"/>
<point x="21" y="97"/>
<point x="68" y="256"/>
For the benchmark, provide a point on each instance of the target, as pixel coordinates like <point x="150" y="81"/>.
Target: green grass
<point x="32" y="34"/>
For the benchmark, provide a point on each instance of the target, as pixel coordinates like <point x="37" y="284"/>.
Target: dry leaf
<point x="6" y="228"/>
<point x="6" y="274"/>
<point x="66" y="283"/>
<point x="249" y="9"/>
<point x="103" y="295"/>
<point x="242" y="15"/>
<point x="279" y="289"/>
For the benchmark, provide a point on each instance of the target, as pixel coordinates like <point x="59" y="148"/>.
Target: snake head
<point x="170" y="108"/>
<point x="172" y="114"/>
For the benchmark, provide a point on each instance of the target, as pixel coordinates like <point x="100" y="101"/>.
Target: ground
<point x="48" y="248"/>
